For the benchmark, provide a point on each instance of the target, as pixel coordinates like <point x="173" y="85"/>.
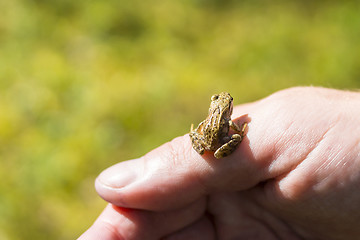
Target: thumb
<point x="283" y="129"/>
<point x="174" y="175"/>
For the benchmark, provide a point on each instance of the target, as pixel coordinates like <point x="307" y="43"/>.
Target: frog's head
<point x="224" y="101"/>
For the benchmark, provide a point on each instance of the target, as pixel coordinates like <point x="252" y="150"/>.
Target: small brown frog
<point x="212" y="133"/>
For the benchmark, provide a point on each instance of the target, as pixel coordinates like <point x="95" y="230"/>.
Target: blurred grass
<point x="86" y="84"/>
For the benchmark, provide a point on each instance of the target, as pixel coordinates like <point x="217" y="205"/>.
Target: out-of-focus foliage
<point x="85" y="84"/>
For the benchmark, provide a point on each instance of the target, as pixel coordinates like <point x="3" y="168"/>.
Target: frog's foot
<point x="241" y="130"/>
<point x="229" y="147"/>
<point x="196" y="141"/>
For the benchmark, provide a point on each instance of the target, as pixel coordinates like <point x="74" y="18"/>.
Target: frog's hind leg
<point x="229" y="147"/>
<point x="197" y="140"/>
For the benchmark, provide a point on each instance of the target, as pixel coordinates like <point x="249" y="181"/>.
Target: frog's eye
<point x="214" y="97"/>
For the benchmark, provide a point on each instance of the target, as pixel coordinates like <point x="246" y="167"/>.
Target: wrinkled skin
<point x="296" y="175"/>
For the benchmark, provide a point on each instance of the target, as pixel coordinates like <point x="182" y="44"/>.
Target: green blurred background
<point x="86" y="84"/>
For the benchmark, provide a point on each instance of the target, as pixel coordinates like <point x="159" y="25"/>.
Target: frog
<point x="212" y="134"/>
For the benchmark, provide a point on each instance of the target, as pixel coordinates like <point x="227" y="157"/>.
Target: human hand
<point x="296" y="175"/>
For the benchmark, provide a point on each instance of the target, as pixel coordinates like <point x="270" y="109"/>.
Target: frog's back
<point x="211" y="130"/>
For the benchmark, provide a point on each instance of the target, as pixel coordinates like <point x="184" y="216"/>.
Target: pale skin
<point x="296" y="175"/>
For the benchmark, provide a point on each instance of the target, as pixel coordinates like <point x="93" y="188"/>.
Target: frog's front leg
<point x="238" y="129"/>
<point x="228" y="147"/>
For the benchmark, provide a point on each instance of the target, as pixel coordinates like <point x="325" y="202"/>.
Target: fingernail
<point x="117" y="176"/>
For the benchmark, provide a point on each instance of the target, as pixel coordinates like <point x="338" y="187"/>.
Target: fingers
<point x="174" y="175"/>
<point x="116" y="223"/>
<point x="239" y="216"/>
<point x="279" y="136"/>
<point x="203" y="229"/>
